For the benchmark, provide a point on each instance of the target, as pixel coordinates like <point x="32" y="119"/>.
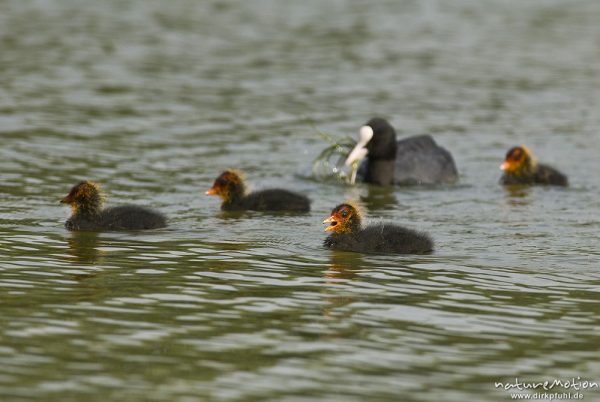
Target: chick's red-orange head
<point x="230" y="183"/>
<point x="85" y="195"/>
<point x="344" y="218"/>
<point x="518" y="159"/>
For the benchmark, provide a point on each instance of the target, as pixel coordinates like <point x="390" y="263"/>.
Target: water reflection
<point x="343" y="265"/>
<point x="379" y="197"/>
<point x="83" y="246"/>
<point x="518" y="195"/>
<point x="230" y="215"/>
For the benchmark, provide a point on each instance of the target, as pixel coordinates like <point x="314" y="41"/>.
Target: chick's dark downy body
<point x="543" y="174"/>
<point x="124" y="217"/>
<point x="270" y="200"/>
<point x="349" y="235"/>
<point x="232" y="190"/>
<point x="381" y="238"/>
<point x="86" y="201"/>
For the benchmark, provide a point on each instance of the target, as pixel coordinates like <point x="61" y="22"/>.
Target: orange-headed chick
<point x="520" y="167"/>
<point x="232" y="190"/>
<point x="86" y="199"/>
<point x="345" y="223"/>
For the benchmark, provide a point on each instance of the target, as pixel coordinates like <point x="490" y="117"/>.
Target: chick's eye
<point x="344" y="214"/>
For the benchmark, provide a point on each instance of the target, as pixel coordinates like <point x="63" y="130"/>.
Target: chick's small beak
<point x="332" y="223"/>
<point x="505" y="166"/>
<point x="212" y="191"/>
<point x="66" y="200"/>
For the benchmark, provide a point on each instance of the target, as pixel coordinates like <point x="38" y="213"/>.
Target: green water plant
<point x="330" y="161"/>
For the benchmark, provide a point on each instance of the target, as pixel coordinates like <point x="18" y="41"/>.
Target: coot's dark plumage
<point x="86" y="199"/>
<point x="520" y="167"/>
<point x="232" y="190"/>
<point x="348" y="235"/>
<point x="413" y="160"/>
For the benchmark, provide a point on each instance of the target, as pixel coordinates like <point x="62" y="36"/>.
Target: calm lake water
<point x="153" y="99"/>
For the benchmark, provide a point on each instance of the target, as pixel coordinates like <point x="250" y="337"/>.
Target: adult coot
<point x="413" y="160"/>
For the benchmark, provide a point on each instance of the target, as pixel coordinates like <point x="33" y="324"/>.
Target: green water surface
<point x="153" y="99"/>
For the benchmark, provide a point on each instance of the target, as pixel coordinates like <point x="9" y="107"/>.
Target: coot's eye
<point x="344" y="213"/>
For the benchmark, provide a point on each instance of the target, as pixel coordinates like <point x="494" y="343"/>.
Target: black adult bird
<point x="231" y="188"/>
<point x="86" y="199"/>
<point x="520" y="167"/>
<point x="413" y="160"/>
<point x="348" y="235"/>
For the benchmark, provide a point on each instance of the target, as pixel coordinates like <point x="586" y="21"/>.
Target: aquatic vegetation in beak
<point x="331" y="161"/>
